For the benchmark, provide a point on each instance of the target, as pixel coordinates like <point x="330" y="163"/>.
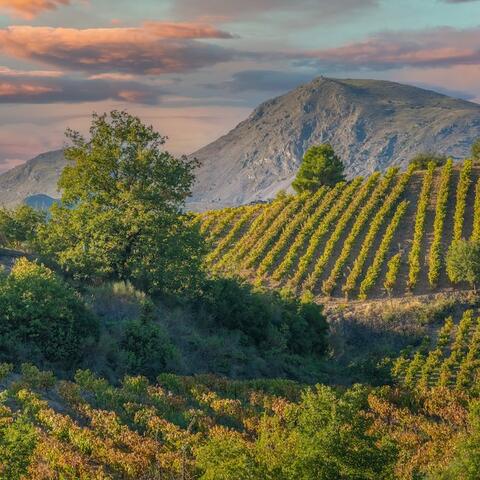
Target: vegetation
<point x="138" y="355"/>
<point x="419" y="232"/>
<point x="463" y="262"/>
<point x="422" y="160"/>
<point x="120" y="216"/>
<point x="320" y="166"/>
<point x="435" y="256"/>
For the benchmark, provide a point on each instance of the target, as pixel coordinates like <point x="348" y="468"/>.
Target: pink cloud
<point x="154" y="48"/>
<point x="428" y="48"/>
<point x="10" y="89"/>
<point x="31" y="8"/>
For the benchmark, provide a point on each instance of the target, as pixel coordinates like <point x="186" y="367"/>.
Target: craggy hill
<point x="371" y="124"/>
<point x="362" y="239"/>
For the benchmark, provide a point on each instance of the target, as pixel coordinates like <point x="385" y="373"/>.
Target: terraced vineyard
<point x="367" y="238"/>
<point x="453" y="361"/>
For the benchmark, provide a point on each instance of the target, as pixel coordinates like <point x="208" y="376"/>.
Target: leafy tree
<point x="320" y="166"/>
<point x="476" y="149"/>
<point x="121" y="214"/>
<point x="38" y="310"/>
<point x="463" y="262"/>
<point x="19" y="226"/>
<point x="422" y="159"/>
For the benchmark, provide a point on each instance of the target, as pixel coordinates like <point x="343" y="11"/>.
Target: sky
<point x="195" y="68"/>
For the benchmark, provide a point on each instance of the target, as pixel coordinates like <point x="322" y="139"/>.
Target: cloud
<point x="437" y="47"/>
<point x="263" y="81"/>
<point x="31" y="8"/>
<point x="153" y="48"/>
<point x="318" y="11"/>
<point x="26" y="87"/>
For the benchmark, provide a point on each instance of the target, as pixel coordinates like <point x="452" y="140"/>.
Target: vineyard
<point x="386" y="235"/>
<point x="452" y="361"/>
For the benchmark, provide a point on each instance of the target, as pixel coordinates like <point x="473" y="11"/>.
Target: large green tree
<point x="320" y="166"/>
<point x="121" y="213"/>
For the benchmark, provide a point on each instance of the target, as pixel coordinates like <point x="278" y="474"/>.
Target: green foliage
<point x="19" y="226"/>
<point x="461" y="201"/>
<point x="463" y="262"/>
<point x="375" y="225"/>
<point x="422" y="160"/>
<point x="17" y="443"/>
<point x="414" y="255"/>
<point x="374" y="270"/>
<point x="266" y="318"/>
<point x="121" y="213"/>
<point x="37" y="308"/>
<point x="476" y="150"/>
<point x="393" y="267"/>
<point x="435" y="255"/>
<point x="320" y="166"/>
<point x="147" y="346"/>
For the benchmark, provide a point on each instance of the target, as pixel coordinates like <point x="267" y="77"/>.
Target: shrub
<point x="463" y="262"/>
<point x="421" y="160"/>
<point x="40" y="310"/>
<point x="266" y="318"/>
<point x="147" y="346"/>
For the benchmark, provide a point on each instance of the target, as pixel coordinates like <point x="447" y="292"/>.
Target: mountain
<point x="371" y="124"/>
<point x="362" y="238"/>
<point x="37" y="176"/>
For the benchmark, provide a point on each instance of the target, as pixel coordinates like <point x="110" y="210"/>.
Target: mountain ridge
<point x="372" y="124"/>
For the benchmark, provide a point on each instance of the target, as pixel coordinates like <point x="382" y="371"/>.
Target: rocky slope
<point x="371" y="124"/>
<point x="37" y="176"/>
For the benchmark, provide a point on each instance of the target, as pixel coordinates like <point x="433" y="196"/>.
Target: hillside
<point x="359" y="239"/>
<point x="371" y="124"/>
<point x="37" y="176"/>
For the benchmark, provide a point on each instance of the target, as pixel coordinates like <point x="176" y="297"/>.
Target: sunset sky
<point x="195" y="68"/>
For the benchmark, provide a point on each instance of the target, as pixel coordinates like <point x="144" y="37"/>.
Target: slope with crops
<point x="385" y="235"/>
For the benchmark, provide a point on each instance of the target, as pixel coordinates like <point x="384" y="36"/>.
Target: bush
<point x="320" y="166"/>
<point x="266" y="318"/>
<point x="463" y="262"/>
<point x="40" y="311"/>
<point x="421" y="160"/>
<point x="147" y="346"/>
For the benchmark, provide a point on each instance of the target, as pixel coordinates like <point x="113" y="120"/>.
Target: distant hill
<point x="37" y="176"/>
<point x="40" y="201"/>
<point x="359" y="239"/>
<point x="372" y="124"/>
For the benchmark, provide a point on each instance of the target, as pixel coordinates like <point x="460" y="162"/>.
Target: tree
<point x="421" y="160"/>
<point x="463" y="262"/>
<point x="476" y="149"/>
<point x="121" y="214"/>
<point x="320" y="166"/>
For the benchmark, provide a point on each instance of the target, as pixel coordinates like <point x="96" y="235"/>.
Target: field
<point x="385" y="235"/>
